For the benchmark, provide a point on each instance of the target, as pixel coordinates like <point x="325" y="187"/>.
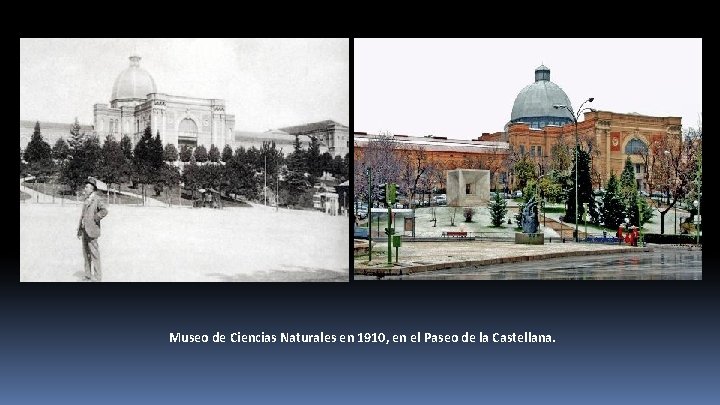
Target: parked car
<point x="517" y="194"/>
<point x="441" y="199"/>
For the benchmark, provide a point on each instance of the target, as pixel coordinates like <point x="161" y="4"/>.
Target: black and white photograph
<point x="184" y="160"/>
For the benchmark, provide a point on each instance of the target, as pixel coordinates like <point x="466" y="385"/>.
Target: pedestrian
<point x="94" y="210"/>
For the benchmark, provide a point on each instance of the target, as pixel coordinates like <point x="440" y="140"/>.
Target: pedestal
<point x="537" y="238"/>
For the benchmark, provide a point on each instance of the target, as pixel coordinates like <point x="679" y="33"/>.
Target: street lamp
<point x="696" y="203"/>
<point x="575" y="120"/>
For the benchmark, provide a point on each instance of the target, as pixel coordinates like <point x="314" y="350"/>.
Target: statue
<point x="530" y="221"/>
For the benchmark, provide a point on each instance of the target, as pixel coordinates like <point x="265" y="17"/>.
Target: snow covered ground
<point x="184" y="244"/>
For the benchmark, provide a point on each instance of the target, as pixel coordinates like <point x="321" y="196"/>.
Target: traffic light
<point x="382" y="192"/>
<point x="391" y="193"/>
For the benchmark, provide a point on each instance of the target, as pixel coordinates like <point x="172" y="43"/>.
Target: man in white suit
<point x="94" y="209"/>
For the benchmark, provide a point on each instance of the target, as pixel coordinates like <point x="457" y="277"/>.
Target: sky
<point x="266" y="83"/>
<point x="460" y="88"/>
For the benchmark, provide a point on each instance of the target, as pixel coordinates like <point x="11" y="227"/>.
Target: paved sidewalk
<point x="428" y="256"/>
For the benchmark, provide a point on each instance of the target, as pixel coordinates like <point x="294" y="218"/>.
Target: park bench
<point x="454" y="234"/>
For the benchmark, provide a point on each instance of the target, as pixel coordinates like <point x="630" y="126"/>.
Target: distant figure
<point x="530" y="221"/>
<point x="94" y="210"/>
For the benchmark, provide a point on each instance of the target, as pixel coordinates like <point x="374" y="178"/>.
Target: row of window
<point x="534" y="150"/>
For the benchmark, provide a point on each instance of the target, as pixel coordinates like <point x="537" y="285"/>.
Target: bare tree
<point x="380" y="155"/>
<point x="414" y="164"/>
<point x="672" y="167"/>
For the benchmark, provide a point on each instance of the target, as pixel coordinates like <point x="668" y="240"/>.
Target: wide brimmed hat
<point x="92" y="180"/>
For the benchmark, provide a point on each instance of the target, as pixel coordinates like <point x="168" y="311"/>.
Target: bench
<point x="454" y="234"/>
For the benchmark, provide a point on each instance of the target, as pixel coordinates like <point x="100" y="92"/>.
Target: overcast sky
<point x="266" y="83"/>
<point x="460" y="88"/>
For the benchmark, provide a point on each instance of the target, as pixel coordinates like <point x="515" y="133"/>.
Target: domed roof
<point x="133" y="83"/>
<point x="537" y="99"/>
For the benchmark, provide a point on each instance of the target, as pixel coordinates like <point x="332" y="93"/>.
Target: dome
<point x="133" y="83"/>
<point x="534" y="104"/>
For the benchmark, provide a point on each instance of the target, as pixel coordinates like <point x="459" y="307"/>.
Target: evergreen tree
<point x="214" y="153"/>
<point x="86" y="161"/>
<point x="271" y="156"/>
<point x="201" y="154"/>
<point x="37" y="149"/>
<point x="185" y="153"/>
<point x="585" y="193"/>
<point x="38" y="155"/>
<point x="127" y="147"/>
<point x="628" y="193"/>
<point x="239" y="176"/>
<point x="170" y="154"/>
<point x="313" y="163"/>
<point x="190" y="176"/>
<point x="112" y="168"/>
<point x="339" y="169"/>
<point x="326" y="163"/>
<point x="613" y="210"/>
<point x="61" y="150"/>
<point x="227" y="153"/>
<point x="76" y="139"/>
<point x="144" y="156"/>
<point x="157" y="158"/>
<point x="498" y="210"/>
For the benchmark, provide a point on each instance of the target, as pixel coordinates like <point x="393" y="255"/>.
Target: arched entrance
<point x="187" y="133"/>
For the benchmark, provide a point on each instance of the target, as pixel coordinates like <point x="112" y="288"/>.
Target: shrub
<point x="468" y="213"/>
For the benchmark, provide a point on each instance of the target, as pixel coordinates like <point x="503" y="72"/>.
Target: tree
<point x="414" y="164"/>
<point x="673" y="167"/>
<point x="86" y="160"/>
<point x="240" y="176"/>
<point x="273" y="157"/>
<point x="38" y="155"/>
<point x="112" y="167"/>
<point x="381" y="157"/>
<point x="339" y="168"/>
<point x="61" y="150"/>
<point x="498" y="210"/>
<point x="313" y="163"/>
<point x="170" y="176"/>
<point x="585" y="193"/>
<point x="214" y="154"/>
<point x="326" y="163"/>
<point x="201" y="154"/>
<point x="524" y="170"/>
<point x="190" y="177"/>
<point x="613" y="209"/>
<point x="170" y="154"/>
<point x="227" y="153"/>
<point x="296" y="182"/>
<point x="628" y="193"/>
<point x="185" y="153"/>
<point x="147" y="158"/>
<point x="127" y="147"/>
<point x="76" y="139"/>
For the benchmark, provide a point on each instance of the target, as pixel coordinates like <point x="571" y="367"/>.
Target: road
<point x="664" y="263"/>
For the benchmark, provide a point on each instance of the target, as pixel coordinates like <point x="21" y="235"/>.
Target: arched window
<point x="635" y="146"/>
<point x="187" y="133"/>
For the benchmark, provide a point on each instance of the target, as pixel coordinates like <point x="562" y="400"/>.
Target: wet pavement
<point x="664" y="263"/>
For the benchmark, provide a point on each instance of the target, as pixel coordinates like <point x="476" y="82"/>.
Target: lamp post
<point x="575" y="120"/>
<point x="368" y="173"/>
